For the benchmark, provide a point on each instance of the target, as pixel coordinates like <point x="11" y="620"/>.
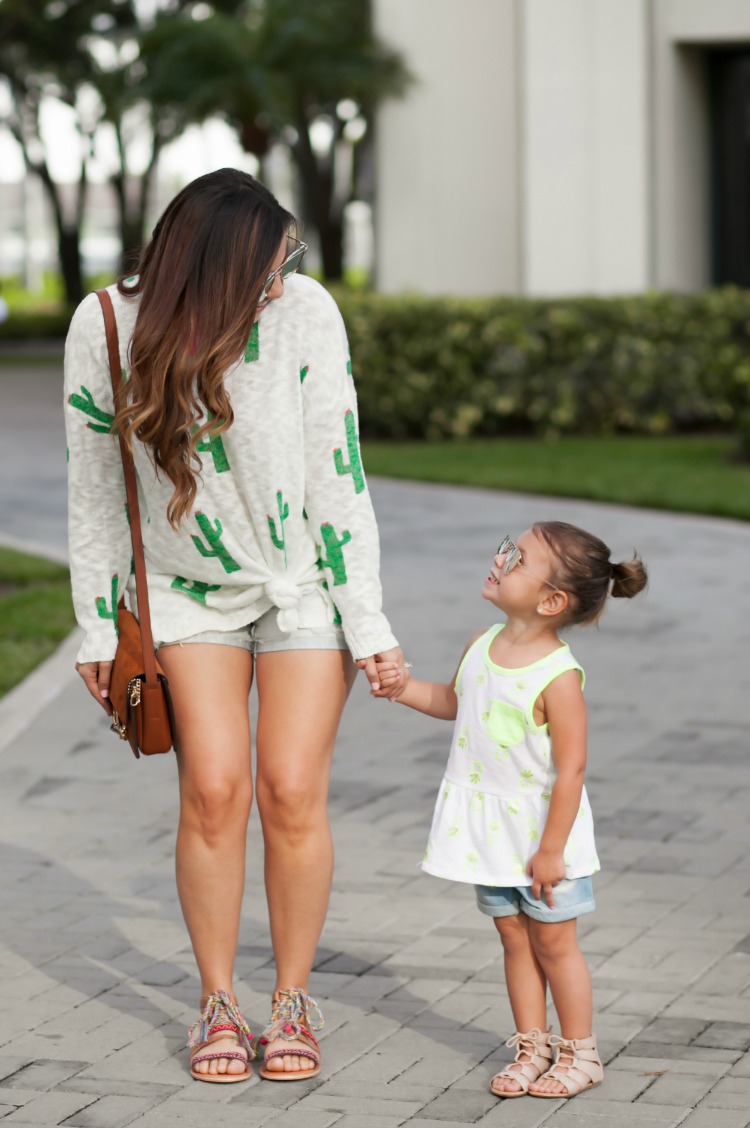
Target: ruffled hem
<point x="482" y="876"/>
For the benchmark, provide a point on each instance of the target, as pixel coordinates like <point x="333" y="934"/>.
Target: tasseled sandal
<point x="221" y="1018"/>
<point x="581" y="1070"/>
<point x="532" y="1060"/>
<point x="293" y="1017"/>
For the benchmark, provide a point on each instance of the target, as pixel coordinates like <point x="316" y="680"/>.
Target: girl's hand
<point x="96" y="676"/>
<point x="546" y="870"/>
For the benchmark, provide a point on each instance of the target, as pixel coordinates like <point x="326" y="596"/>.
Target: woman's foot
<point x="533" y="1057"/>
<point x="220" y="1041"/>
<point x="577" y="1067"/>
<point x="289" y="1048"/>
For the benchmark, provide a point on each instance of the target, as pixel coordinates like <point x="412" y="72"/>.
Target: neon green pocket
<point x="506" y="724"/>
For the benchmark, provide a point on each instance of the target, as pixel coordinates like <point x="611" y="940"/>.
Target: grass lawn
<point x="36" y="613"/>
<point x="694" y="474"/>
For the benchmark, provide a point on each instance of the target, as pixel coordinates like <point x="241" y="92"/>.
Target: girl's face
<point x="519" y="590"/>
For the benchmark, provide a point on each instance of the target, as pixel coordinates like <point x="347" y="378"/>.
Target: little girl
<point x="512" y="815"/>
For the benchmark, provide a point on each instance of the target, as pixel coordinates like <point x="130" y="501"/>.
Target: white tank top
<point x="494" y="798"/>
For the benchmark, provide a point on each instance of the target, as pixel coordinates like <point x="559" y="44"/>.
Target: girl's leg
<point x="215" y="797"/>
<point x="301" y="695"/>
<point x="527" y="986"/>
<point x="564" y="964"/>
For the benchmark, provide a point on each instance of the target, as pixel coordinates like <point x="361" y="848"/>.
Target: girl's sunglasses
<point x="512" y="553"/>
<point x="289" y="266"/>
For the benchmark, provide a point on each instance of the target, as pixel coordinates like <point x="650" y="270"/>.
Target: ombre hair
<point x="199" y="280"/>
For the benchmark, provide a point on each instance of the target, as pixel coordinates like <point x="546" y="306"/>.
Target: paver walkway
<point x="97" y="980"/>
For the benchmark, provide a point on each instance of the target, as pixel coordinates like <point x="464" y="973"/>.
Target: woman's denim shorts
<point x="265" y="636"/>
<point x="573" y="897"/>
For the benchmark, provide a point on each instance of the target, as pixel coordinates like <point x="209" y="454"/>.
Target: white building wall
<point x="586" y="146"/>
<point x="447" y="205"/>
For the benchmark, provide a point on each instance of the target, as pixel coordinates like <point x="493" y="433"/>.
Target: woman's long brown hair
<point x="199" y="281"/>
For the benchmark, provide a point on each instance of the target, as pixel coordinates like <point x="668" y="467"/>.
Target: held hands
<point x="546" y="870"/>
<point x="387" y="673"/>
<point x="96" y="676"/>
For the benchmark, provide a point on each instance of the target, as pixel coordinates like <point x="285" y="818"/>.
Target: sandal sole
<point x="221" y="1078"/>
<point x="287" y="1075"/>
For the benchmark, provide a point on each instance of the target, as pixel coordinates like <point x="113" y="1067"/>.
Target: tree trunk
<point x="316" y="186"/>
<point x="69" y="253"/>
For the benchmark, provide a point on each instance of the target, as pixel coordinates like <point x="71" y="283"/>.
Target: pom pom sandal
<point x="294" y="1016"/>
<point x="577" y="1067"/>
<point x="532" y="1060"/>
<point x="221" y="1021"/>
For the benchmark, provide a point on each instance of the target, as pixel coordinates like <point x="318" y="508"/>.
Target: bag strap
<point x="131" y="489"/>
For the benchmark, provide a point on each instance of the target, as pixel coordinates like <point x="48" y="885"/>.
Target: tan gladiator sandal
<point x="533" y="1057"/>
<point x="577" y="1067"/>
<point x="221" y="1022"/>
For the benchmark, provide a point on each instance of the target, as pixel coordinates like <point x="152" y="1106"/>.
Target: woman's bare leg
<point x="301" y="695"/>
<point x="215" y="798"/>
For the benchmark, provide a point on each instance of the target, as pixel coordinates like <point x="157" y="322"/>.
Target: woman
<point x="262" y="559"/>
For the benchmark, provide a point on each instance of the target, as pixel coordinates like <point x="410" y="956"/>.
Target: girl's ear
<point x="555" y="602"/>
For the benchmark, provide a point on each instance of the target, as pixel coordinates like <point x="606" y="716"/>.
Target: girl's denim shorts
<point x="265" y="636"/>
<point x="573" y="897"/>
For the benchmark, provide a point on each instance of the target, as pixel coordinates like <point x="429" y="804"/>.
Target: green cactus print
<point x="354" y="465"/>
<point x="533" y="827"/>
<point x="214" y="545"/>
<point x="196" y="589"/>
<point x="252" y="352"/>
<point x="303" y="373"/>
<point x="337" y="620"/>
<point x="334" y="558"/>
<point x="278" y="536"/>
<point x="463" y="737"/>
<point x="477" y="771"/>
<point x="103" y="420"/>
<point x="214" y="445"/>
<point x="513" y="807"/>
<point x="349" y="365"/>
<point x="105" y="610"/>
<point x="526" y="779"/>
<point x="455" y="828"/>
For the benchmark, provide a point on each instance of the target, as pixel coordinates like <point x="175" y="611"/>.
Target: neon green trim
<point x="491" y="632"/>
<point x="511" y="671"/>
<point x="554" y="673"/>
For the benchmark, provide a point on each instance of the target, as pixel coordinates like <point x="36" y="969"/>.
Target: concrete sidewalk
<point x="97" y="979"/>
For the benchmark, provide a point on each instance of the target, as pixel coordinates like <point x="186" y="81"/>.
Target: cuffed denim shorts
<point x="265" y="636"/>
<point x="573" y="897"/>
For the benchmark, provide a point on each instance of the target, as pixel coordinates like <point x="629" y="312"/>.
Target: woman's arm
<point x="565" y="710"/>
<point x="337" y="500"/>
<point x="98" y="531"/>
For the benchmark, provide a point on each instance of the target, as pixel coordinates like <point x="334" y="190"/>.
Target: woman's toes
<point x="235" y="1066"/>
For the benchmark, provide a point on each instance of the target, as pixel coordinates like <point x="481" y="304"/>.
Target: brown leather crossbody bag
<point x="139" y="691"/>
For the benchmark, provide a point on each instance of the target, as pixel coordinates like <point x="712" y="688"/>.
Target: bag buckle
<point x="118" y="727"/>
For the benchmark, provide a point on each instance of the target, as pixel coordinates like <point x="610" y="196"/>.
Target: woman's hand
<point x="96" y="676"/>
<point x="545" y="870"/>
<point x="394" y="680"/>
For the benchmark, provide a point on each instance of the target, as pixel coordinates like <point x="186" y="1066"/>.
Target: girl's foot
<point x="577" y="1067"/>
<point x="533" y="1056"/>
<point x="221" y="1041"/>
<point x="290" y="1049"/>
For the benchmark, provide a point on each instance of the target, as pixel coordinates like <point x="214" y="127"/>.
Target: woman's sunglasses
<point x="512" y="553"/>
<point x="289" y="266"/>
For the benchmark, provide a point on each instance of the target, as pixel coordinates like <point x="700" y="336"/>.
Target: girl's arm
<point x="565" y="710"/>
<point x="436" y="699"/>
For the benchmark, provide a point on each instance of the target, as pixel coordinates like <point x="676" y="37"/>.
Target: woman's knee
<point x="290" y="807"/>
<point x="216" y="804"/>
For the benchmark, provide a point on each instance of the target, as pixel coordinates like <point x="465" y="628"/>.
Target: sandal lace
<point x="221" y="1011"/>
<point x="293" y="1014"/>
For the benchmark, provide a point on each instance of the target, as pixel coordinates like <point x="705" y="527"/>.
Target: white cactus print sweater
<point x="282" y="507"/>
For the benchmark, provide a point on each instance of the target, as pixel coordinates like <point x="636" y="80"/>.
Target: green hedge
<point x="438" y="368"/>
<point x="52" y="325"/>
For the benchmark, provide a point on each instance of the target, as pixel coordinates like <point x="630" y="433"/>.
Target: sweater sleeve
<point x="98" y="532"/>
<point x="337" y="501"/>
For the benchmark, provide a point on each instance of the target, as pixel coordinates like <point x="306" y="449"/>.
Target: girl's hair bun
<point x="628" y="578"/>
